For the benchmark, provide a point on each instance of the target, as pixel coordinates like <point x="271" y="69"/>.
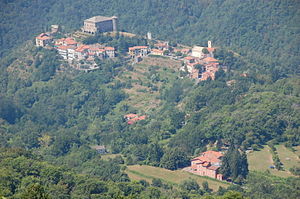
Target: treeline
<point x="24" y="175"/>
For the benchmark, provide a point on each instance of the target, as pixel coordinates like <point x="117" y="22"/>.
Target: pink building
<point x="207" y="164"/>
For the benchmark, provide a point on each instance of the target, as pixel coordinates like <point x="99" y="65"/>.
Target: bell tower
<point x="209" y="44"/>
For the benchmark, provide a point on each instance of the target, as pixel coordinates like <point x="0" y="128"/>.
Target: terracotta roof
<point x="130" y="115"/>
<point x="82" y="48"/>
<point x="70" y="41"/>
<point x="63" y="47"/>
<point x="212" y="65"/>
<point x="109" y="48"/>
<point x="142" y="117"/>
<point x="213" y="168"/>
<point x="43" y="38"/>
<point x="211" y="49"/>
<point x="157" y="50"/>
<point x="209" y="156"/>
<point x="193" y="64"/>
<point x="210" y="59"/>
<point x="138" y="47"/>
<point x="135" y="119"/>
<point x="161" y="44"/>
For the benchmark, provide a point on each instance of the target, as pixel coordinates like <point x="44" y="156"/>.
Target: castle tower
<point x="209" y="44"/>
<point x="115" y="22"/>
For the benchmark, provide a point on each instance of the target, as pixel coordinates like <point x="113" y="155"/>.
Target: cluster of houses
<point x="199" y="62"/>
<point x="207" y="164"/>
<point x="133" y="118"/>
<point x="71" y="50"/>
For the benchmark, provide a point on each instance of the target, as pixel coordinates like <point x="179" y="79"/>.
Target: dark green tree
<point x="35" y="191"/>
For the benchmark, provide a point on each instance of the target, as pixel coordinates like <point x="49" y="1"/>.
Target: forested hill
<point x="53" y="117"/>
<point x="266" y="30"/>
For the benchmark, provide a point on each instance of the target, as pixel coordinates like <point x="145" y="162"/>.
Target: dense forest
<point x="51" y="115"/>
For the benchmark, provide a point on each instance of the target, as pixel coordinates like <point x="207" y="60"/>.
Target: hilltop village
<point x="198" y="62"/>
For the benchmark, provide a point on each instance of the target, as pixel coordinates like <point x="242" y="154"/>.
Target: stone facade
<point x="207" y="164"/>
<point x="99" y="24"/>
<point x="43" y="40"/>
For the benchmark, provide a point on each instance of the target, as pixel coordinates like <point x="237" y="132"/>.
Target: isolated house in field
<point x="43" y="39"/>
<point x="208" y="164"/>
<point x="133" y="118"/>
<point x="99" y="24"/>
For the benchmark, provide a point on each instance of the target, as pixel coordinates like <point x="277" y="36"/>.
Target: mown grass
<point x="287" y="157"/>
<point x="262" y="160"/>
<point x="139" y="172"/>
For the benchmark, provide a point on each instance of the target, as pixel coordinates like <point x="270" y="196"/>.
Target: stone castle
<point x="99" y="24"/>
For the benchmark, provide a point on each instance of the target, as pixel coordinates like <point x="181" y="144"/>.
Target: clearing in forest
<point x="144" y="172"/>
<point x="262" y="160"/>
<point x="288" y="158"/>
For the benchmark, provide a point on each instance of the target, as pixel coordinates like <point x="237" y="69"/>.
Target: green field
<point x="144" y="172"/>
<point x="261" y="160"/>
<point x="288" y="158"/>
<point x="109" y="156"/>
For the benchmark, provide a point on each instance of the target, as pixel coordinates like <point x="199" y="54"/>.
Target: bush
<point x="295" y="170"/>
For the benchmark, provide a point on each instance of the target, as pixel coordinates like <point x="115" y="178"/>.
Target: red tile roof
<point x="82" y="48"/>
<point x="63" y="47"/>
<point x="43" y="36"/>
<point x="214" y="168"/>
<point x="130" y="115"/>
<point x="70" y="41"/>
<point x="109" y="48"/>
<point x="210" y="59"/>
<point x="157" y="51"/>
<point x="185" y="50"/>
<point x="211" y="49"/>
<point x="209" y="156"/>
<point x="161" y="45"/>
<point x="135" y="119"/>
<point x="138" y="47"/>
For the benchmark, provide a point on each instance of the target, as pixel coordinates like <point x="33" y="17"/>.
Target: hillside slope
<point x="268" y="30"/>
